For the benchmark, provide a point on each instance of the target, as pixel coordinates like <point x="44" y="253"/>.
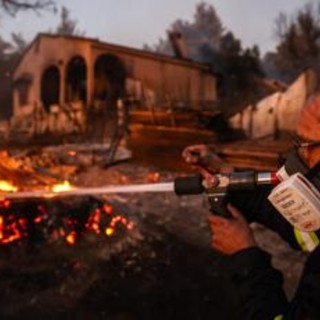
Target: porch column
<point x="90" y="82"/>
<point x="63" y="79"/>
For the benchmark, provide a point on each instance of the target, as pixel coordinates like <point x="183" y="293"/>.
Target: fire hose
<point x="235" y="181"/>
<point x="190" y="185"/>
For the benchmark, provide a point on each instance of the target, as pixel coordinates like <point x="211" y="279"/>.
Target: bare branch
<point x="13" y="6"/>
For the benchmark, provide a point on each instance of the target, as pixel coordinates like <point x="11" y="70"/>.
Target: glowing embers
<point x="97" y="221"/>
<point x="67" y="220"/>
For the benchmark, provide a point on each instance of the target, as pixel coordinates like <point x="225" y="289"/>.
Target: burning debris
<point x="21" y="219"/>
<point x="41" y="220"/>
<point x="50" y="249"/>
<point x="27" y="171"/>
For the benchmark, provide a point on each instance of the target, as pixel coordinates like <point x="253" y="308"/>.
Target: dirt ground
<point x="186" y="217"/>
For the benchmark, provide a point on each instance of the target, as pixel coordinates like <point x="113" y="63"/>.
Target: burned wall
<point x="162" y="79"/>
<point x="89" y="73"/>
<point x="278" y="112"/>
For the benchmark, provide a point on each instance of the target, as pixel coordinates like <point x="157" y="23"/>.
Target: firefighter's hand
<point x="203" y="156"/>
<point x="197" y="155"/>
<point x="231" y="235"/>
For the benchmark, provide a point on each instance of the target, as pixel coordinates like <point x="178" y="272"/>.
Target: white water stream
<point x="137" y="188"/>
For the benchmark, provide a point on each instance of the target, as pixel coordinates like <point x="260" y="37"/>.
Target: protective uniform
<point x="260" y="285"/>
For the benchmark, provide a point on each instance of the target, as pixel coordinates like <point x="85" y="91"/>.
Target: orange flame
<point x="61" y="187"/>
<point x="7" y="186"/>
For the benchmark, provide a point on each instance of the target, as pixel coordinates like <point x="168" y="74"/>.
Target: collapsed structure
<point x="60" y="79"/>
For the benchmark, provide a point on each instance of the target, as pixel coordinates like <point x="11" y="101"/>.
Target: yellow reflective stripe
<point x="306" y="240"/>
<point x="315" y="238"/>
<point x="279" y="317"/>
<point x="300" y="239"/>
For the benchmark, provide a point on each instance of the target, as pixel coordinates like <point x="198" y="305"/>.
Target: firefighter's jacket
<point x="259" y="285"/>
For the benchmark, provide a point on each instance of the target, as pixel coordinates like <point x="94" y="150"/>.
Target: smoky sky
<point x="138" y="22"/>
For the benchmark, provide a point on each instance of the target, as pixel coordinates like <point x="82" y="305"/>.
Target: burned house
<point x="60" y="79"/>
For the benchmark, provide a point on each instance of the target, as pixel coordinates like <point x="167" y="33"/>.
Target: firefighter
<point x="258" y="284"/>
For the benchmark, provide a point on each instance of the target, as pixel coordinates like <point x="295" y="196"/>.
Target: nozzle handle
<point x="188" y="185"/>
<point x="218" y="205"/>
